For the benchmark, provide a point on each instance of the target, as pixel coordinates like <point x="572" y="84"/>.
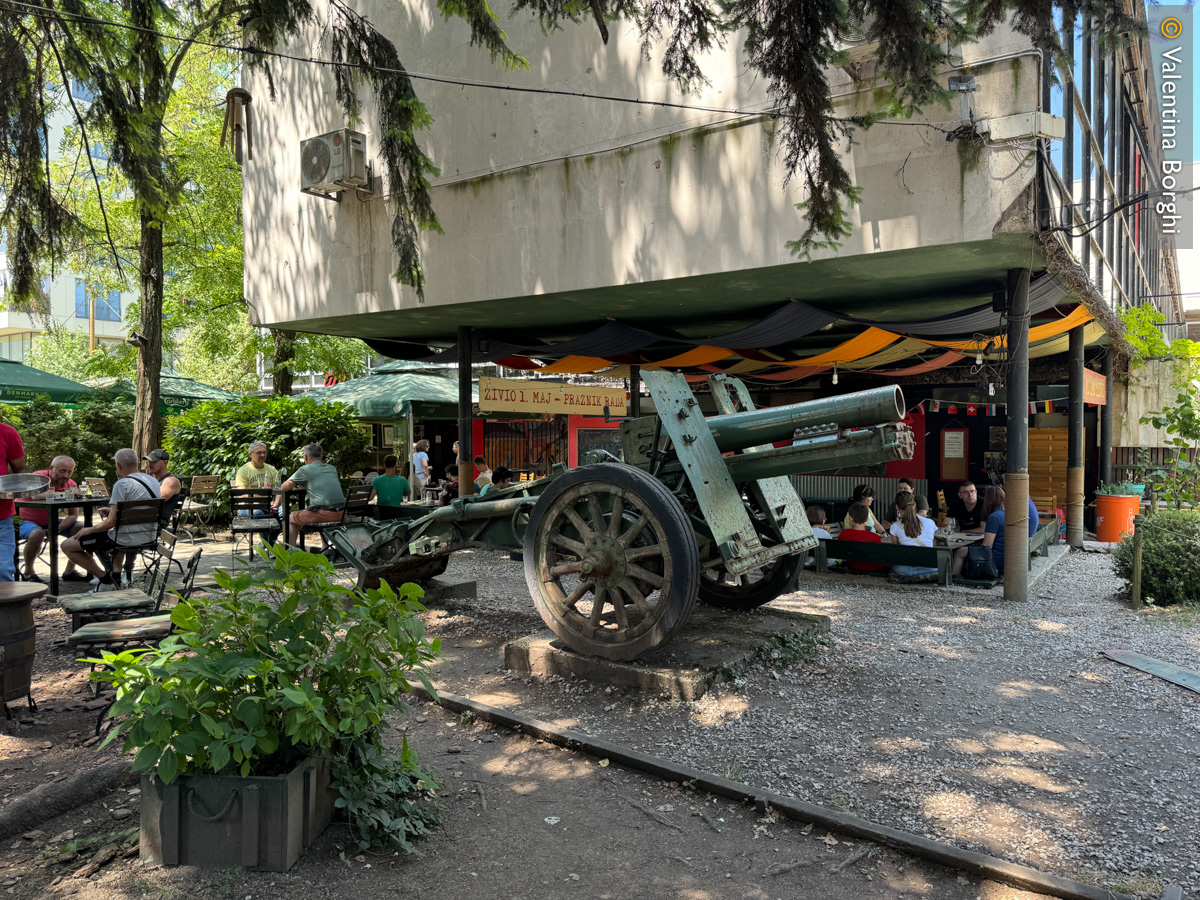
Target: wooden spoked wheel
<point x="611" y="561"/>
<point x="719" y="587"/>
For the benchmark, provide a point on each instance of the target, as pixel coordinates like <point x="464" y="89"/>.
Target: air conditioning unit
<point x="854" y="40"/>
<point x="334" y="162"/>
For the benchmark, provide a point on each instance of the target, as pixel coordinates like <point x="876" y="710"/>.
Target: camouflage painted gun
<point x="618" y="551"/>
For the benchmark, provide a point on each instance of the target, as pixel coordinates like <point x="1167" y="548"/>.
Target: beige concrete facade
<point x="576" y="201"/>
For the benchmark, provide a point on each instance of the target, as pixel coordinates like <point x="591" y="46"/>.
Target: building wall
<point x="541" y="194"/>
<point x="1149" y="389"/>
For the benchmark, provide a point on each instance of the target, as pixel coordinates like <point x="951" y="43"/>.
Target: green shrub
<point x="1170" y="557"/>
<point x="281" y="665"/>
<point x="213" y="439"/>
<point x="104" y="424"/>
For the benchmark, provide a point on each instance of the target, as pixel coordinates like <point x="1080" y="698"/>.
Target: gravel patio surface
<point x="989" y="725"/>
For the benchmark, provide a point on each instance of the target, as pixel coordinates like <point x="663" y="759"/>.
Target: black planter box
<point x="223" y="821"/>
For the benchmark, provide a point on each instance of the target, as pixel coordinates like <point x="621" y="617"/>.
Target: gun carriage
<point x="617" y="552"/>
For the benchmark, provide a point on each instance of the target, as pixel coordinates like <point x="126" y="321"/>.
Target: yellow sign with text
<point x="1094" y="388"/>
<point x="546" y="398"/>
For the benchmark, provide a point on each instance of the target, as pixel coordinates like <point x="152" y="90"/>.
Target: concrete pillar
<point x="635" y="391"/>
<point x="466" y="472"/>
<point x="1016" y="481"/>
<point x="1074" y="498"/>
<point x="1106" y="448"/>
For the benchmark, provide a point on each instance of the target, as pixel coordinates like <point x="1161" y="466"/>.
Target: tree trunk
<point x="282" y="373"/>
<point x="147" y="429"/>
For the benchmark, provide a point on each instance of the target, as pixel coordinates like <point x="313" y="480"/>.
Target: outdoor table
<point x="959" y="538"/>
<point x="17" y="641"/>
<point x="87" y="504"/>
<point x="285" y="504"/>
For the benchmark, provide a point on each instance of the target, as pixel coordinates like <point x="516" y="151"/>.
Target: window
<point x="82" y="92"/>
<point x="108" y="308"/>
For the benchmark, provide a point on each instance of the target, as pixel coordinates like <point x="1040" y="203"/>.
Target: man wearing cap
<point x="170" y="488"/>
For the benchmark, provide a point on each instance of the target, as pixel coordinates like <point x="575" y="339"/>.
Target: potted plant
<point x="263" y="711"/>
<point x="1116" y="505"/>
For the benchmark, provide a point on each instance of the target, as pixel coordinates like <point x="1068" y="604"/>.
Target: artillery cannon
<point x="618" y="551"/>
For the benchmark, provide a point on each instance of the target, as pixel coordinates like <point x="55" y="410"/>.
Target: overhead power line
<point x="47" y="12"/>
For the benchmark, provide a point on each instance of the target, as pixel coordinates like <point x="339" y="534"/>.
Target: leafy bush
<point x="213" y="439"/>
<point x="104" y="424"/>
<point x="282" y="665"/>
<point x="1170" y="557"/>
<point x="91" y="434"/>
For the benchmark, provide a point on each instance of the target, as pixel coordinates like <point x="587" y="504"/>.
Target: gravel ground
<point x="990" y="725"/>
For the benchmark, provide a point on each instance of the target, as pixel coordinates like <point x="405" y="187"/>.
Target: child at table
<point x="859" y="530"/>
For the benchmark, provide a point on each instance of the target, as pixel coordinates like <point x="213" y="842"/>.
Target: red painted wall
<point x="915" y="467"/>
<point x="574" y="423"/>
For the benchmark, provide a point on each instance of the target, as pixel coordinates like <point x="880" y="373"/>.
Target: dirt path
<point x="524" y="819"/>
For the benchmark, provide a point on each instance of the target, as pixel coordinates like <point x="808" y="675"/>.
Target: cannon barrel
<point x="822" y="452"/>
<point x="738" y="431"/>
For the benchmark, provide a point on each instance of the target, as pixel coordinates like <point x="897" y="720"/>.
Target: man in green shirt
<point x="326" y="502"/>
<point x="256" y="473"/>
<point x="390" y="489"/>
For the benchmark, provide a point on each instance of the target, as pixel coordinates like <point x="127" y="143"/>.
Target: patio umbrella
<point x="20" y="383"/>
<point x="395" y="396"/>
<point x="176" y="393"/>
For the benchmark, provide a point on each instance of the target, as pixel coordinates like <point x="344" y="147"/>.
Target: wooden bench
<point x="1039" y="543"/>
<point x="892" y="554"/>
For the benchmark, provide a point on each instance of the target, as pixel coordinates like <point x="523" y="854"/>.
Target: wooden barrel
<point x="17" y="637"/>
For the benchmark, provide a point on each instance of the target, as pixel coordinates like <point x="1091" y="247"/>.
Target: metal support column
<point x="1106" y="416"/>
<point x="466" y="453"/>
<point x="635" y="391"/>
<point x="1016" y="480"/>
<point x="1074" y="498"/>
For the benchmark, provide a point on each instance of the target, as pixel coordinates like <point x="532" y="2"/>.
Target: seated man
<point x="35" y="522"/>
<point x="258" y="473"/>
<point x="102" y="537"/>
<point x="450" y="488"/>
<point x="389" y="489"/>
<point x="169" y="486"/>
<point x="502" y="477"/>
<point x="483" y="473"/>
<point x="326" y="501"/>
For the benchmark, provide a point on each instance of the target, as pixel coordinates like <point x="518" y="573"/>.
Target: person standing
<point x="35" y="522"/>
<point x="326" y="502"/>
<point x="421" y="468"/>
<point x="12" y="462"/>
<point x="169" y="486"/>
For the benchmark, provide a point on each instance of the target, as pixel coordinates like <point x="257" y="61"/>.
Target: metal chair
<point x="131" y="514"/>
<point x="358" y="501"/>
<point x="138" y="599"/>
<point x="244" y="503"/>
<point x="199" y="505"/>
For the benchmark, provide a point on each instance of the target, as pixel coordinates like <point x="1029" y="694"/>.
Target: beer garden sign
<point x="547" y="398"/>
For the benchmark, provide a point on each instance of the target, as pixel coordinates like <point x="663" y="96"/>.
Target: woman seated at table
<point x="864" y="494"/>
<point x="911" y="530"/>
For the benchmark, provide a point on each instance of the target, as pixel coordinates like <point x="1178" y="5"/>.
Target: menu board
<point x="954" y="454"/>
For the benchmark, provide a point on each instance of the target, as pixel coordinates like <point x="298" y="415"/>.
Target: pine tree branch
<point x="88" y="149"/>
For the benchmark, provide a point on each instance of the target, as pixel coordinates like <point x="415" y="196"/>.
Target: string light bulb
<point x="991" y="389"/>
<point x="979" y="358"/>
<point x="835" y="374"/>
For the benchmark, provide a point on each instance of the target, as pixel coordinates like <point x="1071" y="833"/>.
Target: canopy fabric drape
<point x="938" y="362"/>
<point x="870" y="341"/>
